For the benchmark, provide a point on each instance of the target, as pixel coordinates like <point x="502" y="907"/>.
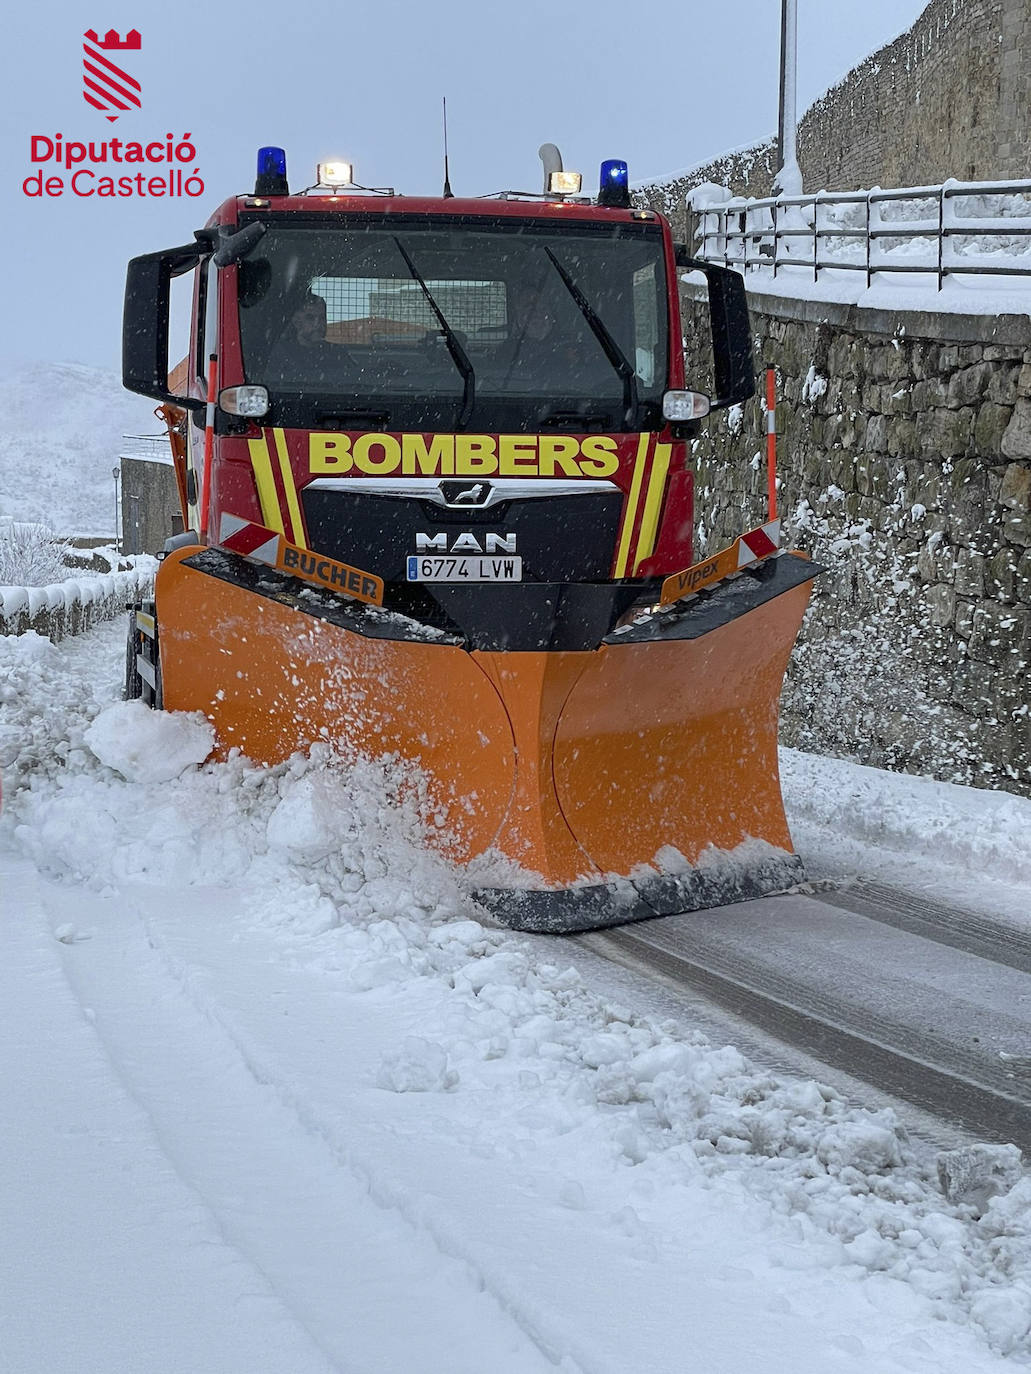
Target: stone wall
<point x="747" y="172"/>
<point x="926" y="107"/>
<point x="70" y="608"/>
<point x="905" y="463"/>
<point x="948" y="98"/>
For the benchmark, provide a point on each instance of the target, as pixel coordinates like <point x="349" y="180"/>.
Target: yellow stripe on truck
<point x="289" y="487"/>
<point x="653" y="503"/>
<point x="630" y="513"/>
<point x="268" y="498"/>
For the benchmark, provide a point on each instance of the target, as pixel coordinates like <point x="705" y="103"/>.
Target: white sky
<point x="664" y="86"/>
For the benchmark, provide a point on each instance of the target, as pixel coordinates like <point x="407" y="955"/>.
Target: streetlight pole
<point x="788" y="180"/>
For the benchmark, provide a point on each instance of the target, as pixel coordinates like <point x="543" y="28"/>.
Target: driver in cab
<point x="303" y="354"/>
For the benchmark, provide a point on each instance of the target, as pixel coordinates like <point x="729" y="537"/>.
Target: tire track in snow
<point x="111" y="1258"/>
<point x="358" y="1259"/>
<point x="425" y="1216"/>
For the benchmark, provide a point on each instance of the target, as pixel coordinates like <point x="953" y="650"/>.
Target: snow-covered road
<point x="277" y="1100"/>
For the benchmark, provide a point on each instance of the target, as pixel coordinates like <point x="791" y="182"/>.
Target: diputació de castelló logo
<point x="112" y="167"/>
<point x="106" y="86"/>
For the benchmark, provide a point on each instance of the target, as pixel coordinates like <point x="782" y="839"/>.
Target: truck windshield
<point x="336" y="325"/>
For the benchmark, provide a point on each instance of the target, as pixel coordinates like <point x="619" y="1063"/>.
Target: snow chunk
<point x="420" y="1066"/>
<point x="149" y="746"/>
<point x="306" y="822"/>
<point x="860" y="1144"/>
<point x="977" y="1172"/>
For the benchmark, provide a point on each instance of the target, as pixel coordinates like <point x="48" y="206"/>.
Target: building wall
<point x="150" y="504"/>
<point x="905" y="465"/>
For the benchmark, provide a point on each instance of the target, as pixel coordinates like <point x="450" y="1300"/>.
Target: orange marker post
<point x="771" y="442"/>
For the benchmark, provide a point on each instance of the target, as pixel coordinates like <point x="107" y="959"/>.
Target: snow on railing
<point x="74" y="605"/>
<point x="932" y="233"/>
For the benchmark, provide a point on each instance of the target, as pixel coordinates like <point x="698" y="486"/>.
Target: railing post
<point x="816" y="239"/>
<point x="869" y="273"/>
<point x="941" y="236"/>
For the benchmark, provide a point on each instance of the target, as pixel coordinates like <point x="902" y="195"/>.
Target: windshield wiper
<point x="612" y="350"/>
<point x="454" y="344"/>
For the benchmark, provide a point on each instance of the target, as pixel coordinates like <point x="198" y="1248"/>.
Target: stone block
<point x="968" y="681"/>
<point x="929" y="393"/>
<point x="1016" y="442"/>
<point x="903" y="439"/>
<point x="969" y="386"/>
<point x="966" y="502"/>
<point x="941" y="605"/>
<point x="840" y="357"/>
<point x="948" y="358"/>
<point x="936" y="560"/>
<point x="964" y="619"/>
<point x="1022" y="578"/>
<point x="1002" y="385"/>
<point x="887" y="362"/>
<point x="1018" y="529"/>
<point x="945" y="432"/>
<point x="923" y="485"/>
<point x="882" y="485"/>
<point x="989" y="428"/>
<point x="897" y="399"/>
<point x="969" y="578"/>
<point x="1000" y="574"/>
<point x="998" y="631"/>
<point x="1015" y="493"/>
<point x="924" y="361"/>
<point x="878" y="430"/>
<point x="1003" y="353"/>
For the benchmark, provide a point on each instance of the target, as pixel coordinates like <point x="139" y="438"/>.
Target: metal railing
<point x="957" y="229"/>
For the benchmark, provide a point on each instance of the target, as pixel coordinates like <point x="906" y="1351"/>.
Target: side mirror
<point x="145" y="321"/>
<point x="733" y="364"/>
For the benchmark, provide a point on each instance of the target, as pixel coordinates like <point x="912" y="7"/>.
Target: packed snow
<point x="305" y="1109"/>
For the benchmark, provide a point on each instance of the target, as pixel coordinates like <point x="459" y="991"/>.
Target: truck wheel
<point x="133" y="681"/>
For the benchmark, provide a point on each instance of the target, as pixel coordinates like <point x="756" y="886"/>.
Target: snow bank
<point x="971" y="831"/>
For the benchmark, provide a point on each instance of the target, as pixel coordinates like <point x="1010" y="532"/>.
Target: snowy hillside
<point x="61" y="434"/>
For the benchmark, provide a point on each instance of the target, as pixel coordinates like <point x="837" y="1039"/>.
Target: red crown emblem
<point x="108" y="88"/>
<point x="111" y="40"/>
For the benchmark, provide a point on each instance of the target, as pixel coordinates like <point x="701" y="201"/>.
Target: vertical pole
<point x="788" y="180"/>
<point x="783" y="73"/>
<point x="209" y="446"/>
<point x="771" y="443"/>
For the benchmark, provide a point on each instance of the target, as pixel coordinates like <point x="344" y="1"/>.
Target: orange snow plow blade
<point x="634" y="779"/>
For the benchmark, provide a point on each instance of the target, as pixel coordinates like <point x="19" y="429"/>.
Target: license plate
<point x="447" y="568"/>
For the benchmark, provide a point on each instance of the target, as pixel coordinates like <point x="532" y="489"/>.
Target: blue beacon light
<point x="614" y="187"/>
<point x="271" y="178"/>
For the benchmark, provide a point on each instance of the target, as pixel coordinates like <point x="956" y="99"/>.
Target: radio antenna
<point x="448" y="193"/>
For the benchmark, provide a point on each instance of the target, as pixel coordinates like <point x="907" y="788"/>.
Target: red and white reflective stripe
<point x="209" y="446"/>
<point x="248" y="539"/>
<point x="771" y="442"/>
<point x="758" y="543"/>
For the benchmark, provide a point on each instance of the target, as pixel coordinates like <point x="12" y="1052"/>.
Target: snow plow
<point x="433" y="458"/>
